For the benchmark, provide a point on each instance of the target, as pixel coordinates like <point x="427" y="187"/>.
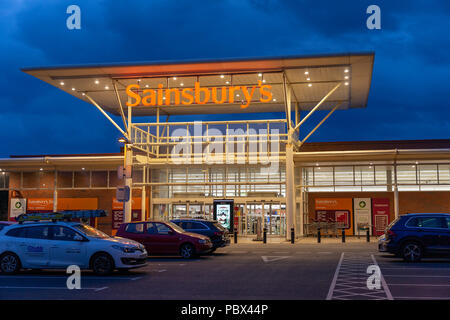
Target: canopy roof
<point x="310" y="77"/>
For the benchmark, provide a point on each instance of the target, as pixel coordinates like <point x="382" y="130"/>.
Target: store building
<point x="276" y="180"/>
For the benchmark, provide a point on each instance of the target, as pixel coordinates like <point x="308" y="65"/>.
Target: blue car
<point x="219" y="235"/>
<point x="415" y="235"/>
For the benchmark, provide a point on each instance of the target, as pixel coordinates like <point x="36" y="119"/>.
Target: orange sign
<point x="197" y="95"/>
<point x="136" y="204"/>
<point x="340" y="208"/>
<point x="41" y="204"/>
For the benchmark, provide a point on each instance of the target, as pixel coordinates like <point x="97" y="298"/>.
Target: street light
<point x="124" y="140"/>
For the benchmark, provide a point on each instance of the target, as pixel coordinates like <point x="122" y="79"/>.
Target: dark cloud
<point x="408" y="98"/>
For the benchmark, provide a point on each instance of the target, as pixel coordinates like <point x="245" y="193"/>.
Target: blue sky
<point x="408" y="98"/>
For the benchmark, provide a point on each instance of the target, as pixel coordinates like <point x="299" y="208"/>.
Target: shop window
<point x="428" y="174"/>
<point x="113" y="179"/>
<point x="99" y="179"/>
<point x="323" y="176"/>
<point x="31" y="180"/>
<point x="383" y="175"/>
<point x="364" y="175"/>
<point x="4" y="180"/>
<point x="81" y="179"/>
<point x="406" y="174"/>
<point x="343" y="176"/>
<point x="65" y="179"/>
<point x="444" y="173"/>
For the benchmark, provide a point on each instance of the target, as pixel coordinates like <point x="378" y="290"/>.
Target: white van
<point x="57" y="245"/>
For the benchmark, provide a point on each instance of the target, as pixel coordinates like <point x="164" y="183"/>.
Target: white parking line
<point x="419" y="285"/>
<point x="424" y="298"/>
<point x="414" y="276"/>
<point x="336" y="273"/>
<point x="65" y="277"/>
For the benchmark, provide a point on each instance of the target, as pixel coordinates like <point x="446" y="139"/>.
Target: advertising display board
<point x="224" y="213"/>
<point x="337" y="210"/>
<point x="362" y="215"/>
<point x="117" y="212"/>
<point x="381" y="214"/>
<point x="18" y="207"/>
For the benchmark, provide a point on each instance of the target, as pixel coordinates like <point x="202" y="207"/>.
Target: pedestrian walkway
<point x="350" y="281"/>
<point x="305" y="240"/>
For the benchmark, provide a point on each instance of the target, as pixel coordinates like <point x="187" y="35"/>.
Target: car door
<point x="34" y="246"/>
<point x="67" y="248"/>
<point x="168" y="240"/>
<point x="135" y="231"/>
<point x="430" y="229"/>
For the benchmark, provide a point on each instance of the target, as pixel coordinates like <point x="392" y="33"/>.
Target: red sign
<point x="381" y="214"/>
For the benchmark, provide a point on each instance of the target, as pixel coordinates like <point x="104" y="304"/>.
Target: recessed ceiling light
<point x="346" y="83"/>
<point x="317" y="164"/>
<point x="164" y="98"/>
<point x="308" y="79"/>
<point x="228" y="82"/>
<point x="61" y="83"/>
<point x="174" y="78"/>
<point x="222" y="76"/>
<point x="83" y="168"/>
<point x="40" y="169"/>
<point x="346" y="77"/>
<point x="309" y="85"/>
<point x="274" y="99"/>
<point x="97" y="82"/>
<point x="83" y="94"/>
<point x="306" y="72"/>
<point x="73" y="89"/>
<point x="106" y="87"/>
<point x="146" y="85"/>
<point x="237" y="95"/>
<point x="138" y="80"/>
<point x="346" y="70"/>
<point x="264" y="81"/>
<point x="181" y="84"/>
<point x="259" y="74"/>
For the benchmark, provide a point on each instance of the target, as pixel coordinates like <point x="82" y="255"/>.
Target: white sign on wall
<point x="362" y="214"/>
<point x="18" y="207"/>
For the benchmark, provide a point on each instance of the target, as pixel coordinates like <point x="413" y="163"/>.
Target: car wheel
<point x="187" y="251"/>
<point x="412" y="252"/>
<point x="102" y="264"/>
<point x="9" y="263"/>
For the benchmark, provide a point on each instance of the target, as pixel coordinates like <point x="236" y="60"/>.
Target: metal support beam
<point x="318" y="105"/>
<point x="320" y="123"/>
<point x="106" y="115"/>
<point x="120" y="106"/>
<point x="287" y="101"/>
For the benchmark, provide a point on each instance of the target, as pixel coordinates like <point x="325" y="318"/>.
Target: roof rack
<point x="61" y="215"/>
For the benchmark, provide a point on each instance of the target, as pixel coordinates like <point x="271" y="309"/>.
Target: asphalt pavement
<point x="254" y="271"/>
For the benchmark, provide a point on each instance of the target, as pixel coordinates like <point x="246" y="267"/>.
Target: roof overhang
<point x="310" y="77"/>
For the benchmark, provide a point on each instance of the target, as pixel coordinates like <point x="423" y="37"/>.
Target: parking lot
<point x="330" y="270"/>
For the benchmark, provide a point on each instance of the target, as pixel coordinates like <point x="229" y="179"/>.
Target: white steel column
<point x="396" y="206"/>
<point x="55" y="192"/>
<point x="143" y="196"/>
<point x="128" y="165"/>
<point x="290" y="188"/>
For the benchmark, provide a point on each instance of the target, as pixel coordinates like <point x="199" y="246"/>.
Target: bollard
<point x="292" y="235"/>
<point x="265" y="235"/>
<point x="343" y="235"/>
<point x="318" y="235"/>
<point x="235" y="236"/>
<point x="367" y="235"/>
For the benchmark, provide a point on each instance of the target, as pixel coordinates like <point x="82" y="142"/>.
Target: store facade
<point x="276" y="179"/>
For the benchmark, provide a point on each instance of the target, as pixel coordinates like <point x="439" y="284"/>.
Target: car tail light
<point x="390" y="234"/>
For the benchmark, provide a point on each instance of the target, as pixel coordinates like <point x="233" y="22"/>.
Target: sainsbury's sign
<point x="196" y="95"/>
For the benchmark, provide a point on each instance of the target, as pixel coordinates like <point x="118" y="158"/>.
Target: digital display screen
<point x="223" y="213"/>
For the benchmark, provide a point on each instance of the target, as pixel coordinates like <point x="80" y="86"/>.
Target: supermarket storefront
<point x="276" y="179"/>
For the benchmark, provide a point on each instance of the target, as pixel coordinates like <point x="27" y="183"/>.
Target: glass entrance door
<point x="270" y="215"/>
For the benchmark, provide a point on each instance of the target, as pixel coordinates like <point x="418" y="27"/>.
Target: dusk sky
<point x="408" y="97"/>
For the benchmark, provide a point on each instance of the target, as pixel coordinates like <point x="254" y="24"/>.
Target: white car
<point x="57" y="245"/>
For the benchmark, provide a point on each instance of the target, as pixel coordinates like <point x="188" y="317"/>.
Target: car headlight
<point x="124" y="249"/>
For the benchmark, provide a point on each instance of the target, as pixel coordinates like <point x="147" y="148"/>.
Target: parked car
<point x="210" y="228"/>
<point x="5" y="223"/>
<point x="57" y="245"/>
<point x="414" y="236"/>
<point x="165" y="238"/>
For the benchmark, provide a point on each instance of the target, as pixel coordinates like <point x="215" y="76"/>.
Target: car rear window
<point x="425" y="222"/>
<point x="135" y="228"/>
